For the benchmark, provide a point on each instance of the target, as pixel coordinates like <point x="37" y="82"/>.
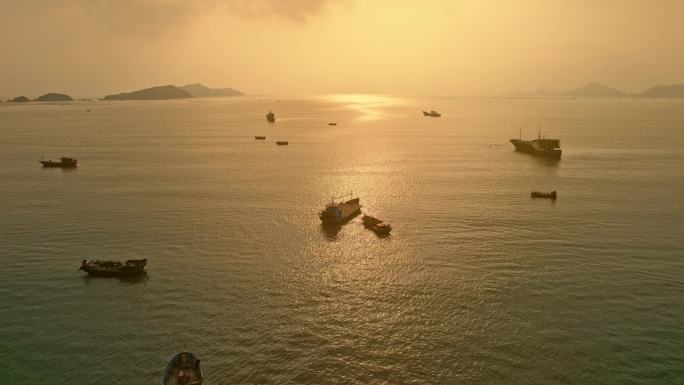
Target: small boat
<point x="432" y="113"/>
<point x="337" y="213"/>
<point x="183" y="369"/>
<point x="130" y="268"/>
<point x="543" y="194"/>
<point x="64" y="162"/>
<point x="332" y="124"/>
<point x="377" y="225"/>
<point x="260" y="138"/>
<point x="282" y="143"/>
<point x="270" y="116"/>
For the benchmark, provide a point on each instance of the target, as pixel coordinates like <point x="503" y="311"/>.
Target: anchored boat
<point x="130" y="268"/>
<point x="282" y="143"/>
<point x="183" y="369"/>
<point x="260" y="138"/>
<point x="64" y="162"/>
<point x="376" y="225"/>
<point x="540" y="146"/>
<point x="337" y="213"/>
<point x="432" y="113"/>
<point x="270" y="116"/>
<point x="543" y="194"/>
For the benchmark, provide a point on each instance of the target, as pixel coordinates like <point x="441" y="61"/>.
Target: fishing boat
<point x="64" y="162"/>
<point x="432" y="113"/>
<point x="376" y="225"/>
<point x="183" y="369"/>
<point x="543" y="194"/>
<point x="260" y="138"/>
<point x="130" y="268"/>
<point x="337" y="213"/>
<point x="332" y="124"/>
<point x="270" y="116"/>
<point x="541" y="146"/>
<point x="282" y="143"/>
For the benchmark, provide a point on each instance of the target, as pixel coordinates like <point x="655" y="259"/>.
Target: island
<point x="596" y="90"/>
<point x="154" y="93"/>
<point x="20" y="99"/>
<point x="665" y="91"/>
<point x="200" y="90"/>
<point x="54" y="97"/>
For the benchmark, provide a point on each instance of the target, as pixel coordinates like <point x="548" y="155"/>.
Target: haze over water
<point x="477" y="284"/>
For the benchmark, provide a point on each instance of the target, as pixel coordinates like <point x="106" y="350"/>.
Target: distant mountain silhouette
<point x="199" y="90"/>
<point x="154" y="93"/>
<point x="665" y="91"/>
<point x="595" y="90"/>
<point x="54" y="97"/>
<point x="20" y="99"/>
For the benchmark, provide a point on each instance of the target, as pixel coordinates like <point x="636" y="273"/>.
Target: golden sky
<point x="429" y="47"/>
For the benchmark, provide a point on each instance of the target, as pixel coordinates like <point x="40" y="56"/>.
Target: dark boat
<point x="260" y="138"/>
<point x="270" y="116"/>
<point x="337" y="213"/>
<point x="432" y="113"/>
<point x="377" y="225"/>
<point x="183" y="369"/>
<point x="64" y="162"/>
<point x="543" y="194"/>
<point x="332" y="124"/>
<point x="130" y="268"/>
<point x="282" y="143"/>
<point x="540" y="146"/>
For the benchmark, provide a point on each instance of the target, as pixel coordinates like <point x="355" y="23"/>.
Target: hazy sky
<point x="428" y="47"/>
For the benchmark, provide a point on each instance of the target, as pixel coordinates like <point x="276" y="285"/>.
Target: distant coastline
<point x="165" y="92"/>
<point x="599" y="90"/>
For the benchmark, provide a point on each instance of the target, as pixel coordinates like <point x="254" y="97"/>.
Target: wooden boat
<point x="130" y="268"/>
<point x="282" y="143"/>
<point x="337" y="213"/>
<point x="542" y="194"/>
<point x="377" y="225"/>
<point x="64" y="162"/>
<point x="183" y="369"/>
<point x="270" y="116"/>
<point x="260" y="138"/>
<point x="332" y="124"/>
<point x="432" y="113"/>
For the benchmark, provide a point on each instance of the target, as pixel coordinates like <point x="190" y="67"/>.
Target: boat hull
<point x="132" y="268"/>
<point x="49" y="163"/>
<point x="183" y="368"/>
<point x="547" y="195"/>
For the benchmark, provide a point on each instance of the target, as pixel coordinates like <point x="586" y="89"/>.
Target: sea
<point x="478" y="283"/>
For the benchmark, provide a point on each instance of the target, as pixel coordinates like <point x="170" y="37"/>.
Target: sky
<point x="290" y="47"/>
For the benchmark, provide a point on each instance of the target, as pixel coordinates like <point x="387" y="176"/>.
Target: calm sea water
<point x="478" y="283"/>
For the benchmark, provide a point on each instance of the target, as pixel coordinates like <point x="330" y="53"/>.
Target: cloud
<point x="146" y="17"/>
<point x="160" y="17"/>
<point x="295" y="10"/>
